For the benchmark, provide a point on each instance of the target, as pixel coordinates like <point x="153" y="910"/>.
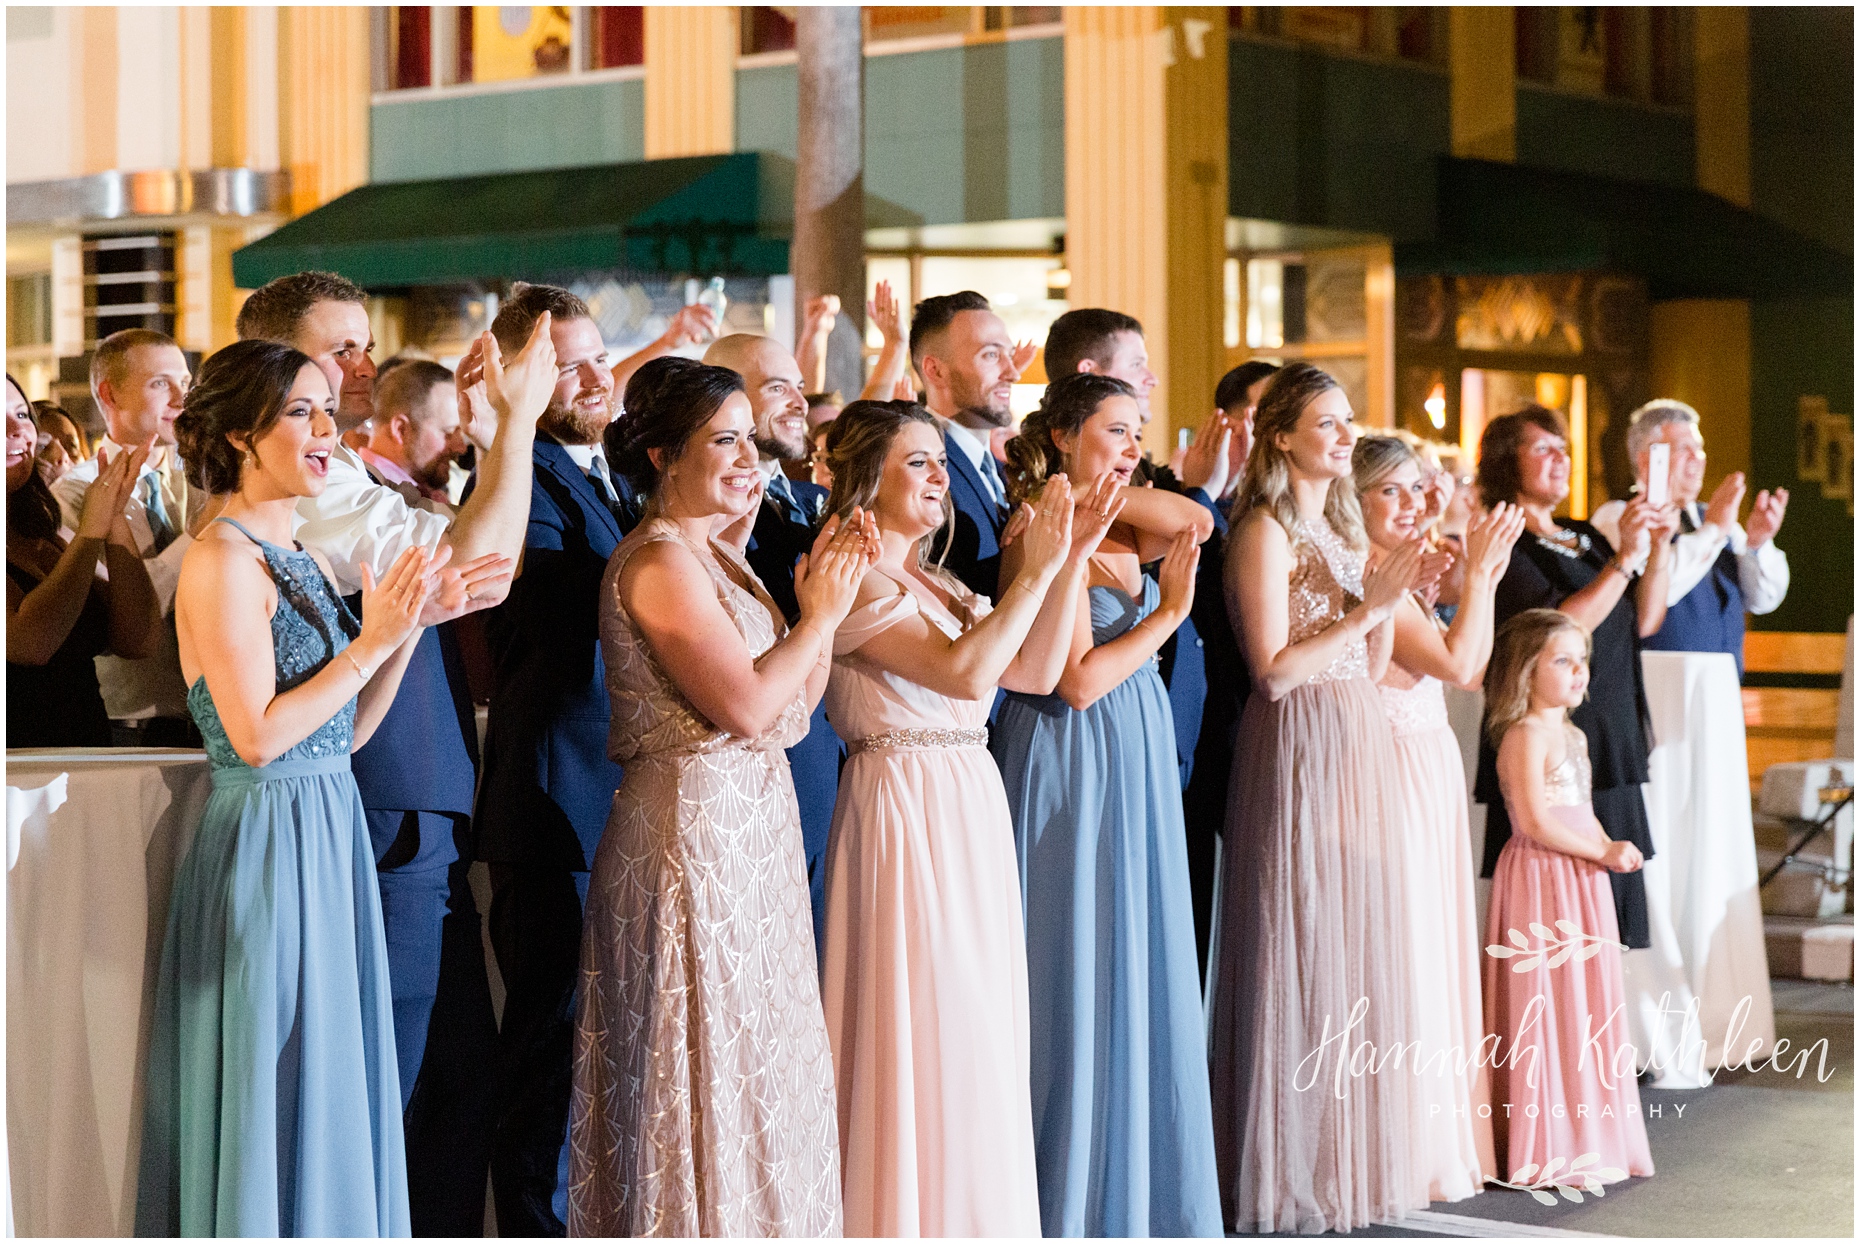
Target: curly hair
<point x="1500" y="477"/>
<point x="1069" y="401"/>
<point x="238" y="396"/>
<point x="1515" y="649"/>
<point x="668" y="401"/>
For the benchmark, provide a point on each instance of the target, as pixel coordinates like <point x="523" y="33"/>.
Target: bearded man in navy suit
<point x="962" y="350"/>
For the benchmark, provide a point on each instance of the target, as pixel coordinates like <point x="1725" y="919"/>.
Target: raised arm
<point x="972" y="665"/>
<point x="1650" y="593"/>
<point x="669" y="595"/>
<point x="1151" y="520"/>
<point x="495" y="516"/>
<point x="894" y="356"/>
<point x="1092" y="670"/>
<point x="690" y="326"/>
<point x="223" y="611"/>
<point x="1458" y="658"/>
<point x="39" y="621"/>
<point x="1258" y="579"/>
<point x="135" y="607"/>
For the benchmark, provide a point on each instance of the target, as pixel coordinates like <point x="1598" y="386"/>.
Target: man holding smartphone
<point x="1720" y="570"/>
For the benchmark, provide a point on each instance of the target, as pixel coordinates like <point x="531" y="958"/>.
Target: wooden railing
<point x="1784" y="724"/>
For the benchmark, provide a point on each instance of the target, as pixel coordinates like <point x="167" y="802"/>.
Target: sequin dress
<point x="273" y="1100"/>
<point x="1119" y="1051"/>
<point x="703" y="1081"/>
<point x="1563" y="1081"/>
<point x="1313" y="937"/>
<point x="1452" y="1091"/>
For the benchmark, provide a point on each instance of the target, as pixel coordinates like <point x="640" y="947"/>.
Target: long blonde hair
<point x="858" y="440"/>
<point x="1268" y="482"/>
<point x="1508" y="674"/>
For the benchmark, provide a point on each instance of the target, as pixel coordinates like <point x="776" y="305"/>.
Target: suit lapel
<point x="963" y="475"/>
<point x="551" y="455"/>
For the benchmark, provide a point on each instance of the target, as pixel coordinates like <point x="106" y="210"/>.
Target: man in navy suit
<point x="962" y="350"/>
<point x="417" y="773"/>
<point x="548" y="783"/>
<point x="784" y="527"/>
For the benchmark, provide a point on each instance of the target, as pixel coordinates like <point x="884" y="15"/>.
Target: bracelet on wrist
<point x="366" y="672"/>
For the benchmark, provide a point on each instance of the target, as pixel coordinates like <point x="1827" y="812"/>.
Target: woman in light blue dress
<point x="1122" y="1128"/>
<point x="273" y="1103"/>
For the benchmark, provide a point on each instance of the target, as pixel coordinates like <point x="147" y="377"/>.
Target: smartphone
<point x="1659" y="468"/>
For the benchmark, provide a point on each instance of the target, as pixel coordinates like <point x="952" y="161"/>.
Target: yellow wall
<point x="690" y="80"/>
<point x="1146" y="189"/>
<point x="1722" y="90"/>
<point x="1482" y="91"/>
<point x="1700" y="354"/>
<point x="323" y="82"/>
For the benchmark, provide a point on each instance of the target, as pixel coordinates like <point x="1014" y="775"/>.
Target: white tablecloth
<point x="93" y="840"/>
<point x="1702" y="882"/>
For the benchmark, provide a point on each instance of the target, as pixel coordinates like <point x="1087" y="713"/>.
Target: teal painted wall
<point x="507" y="131"/>
<point x="952" y="135"/>
<point x="1604" y="137"/>
<point x="1802" y="174"/>
<point x="1327" y="140"/>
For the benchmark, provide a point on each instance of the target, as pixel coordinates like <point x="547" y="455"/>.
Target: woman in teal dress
<point x="1123" y="1134"/>
<point x="272" y="1105"/>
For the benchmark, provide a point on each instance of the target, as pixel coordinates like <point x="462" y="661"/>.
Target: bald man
<point x="782" y="531"/>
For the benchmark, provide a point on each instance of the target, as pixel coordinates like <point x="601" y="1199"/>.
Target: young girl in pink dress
<point x="1553" y="957"/>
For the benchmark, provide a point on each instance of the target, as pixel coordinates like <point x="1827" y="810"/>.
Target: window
<point x="767" y="29"/>
<point x="29" y="310"/>
<point x="1409" y="33"/>
<point x="619" y="36"/>
<point x="770" y="28"/>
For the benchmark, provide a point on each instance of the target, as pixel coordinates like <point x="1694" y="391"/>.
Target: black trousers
<point x="445" y="1029"/>
<point x="536" y="936"/>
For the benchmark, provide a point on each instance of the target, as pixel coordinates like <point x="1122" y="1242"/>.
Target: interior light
<point x="1436" y="404"/>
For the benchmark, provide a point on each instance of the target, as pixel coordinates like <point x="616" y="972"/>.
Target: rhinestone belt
<point x="976" y="736"/>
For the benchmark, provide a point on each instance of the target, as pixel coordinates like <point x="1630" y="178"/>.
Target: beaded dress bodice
<point x="1327" y="582"/>
<point x="650" y="714"/>
<point x="310" y="628"/>
<point x="1566" y="783"/>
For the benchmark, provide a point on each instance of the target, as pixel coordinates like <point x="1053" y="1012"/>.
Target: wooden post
<point x="828" y="255"/>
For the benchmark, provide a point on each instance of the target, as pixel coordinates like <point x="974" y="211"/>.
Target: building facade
<point x="1451" y="209"/>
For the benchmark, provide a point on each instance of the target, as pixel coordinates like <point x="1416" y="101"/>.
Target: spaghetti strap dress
<point x="273" y="1103"/>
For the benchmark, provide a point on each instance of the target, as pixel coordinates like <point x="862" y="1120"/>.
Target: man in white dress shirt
<point x="417" y="775"/>
<point x="139" y="378"/>
<point x="1720" y="570"/>
<point x="1707" y="923"/>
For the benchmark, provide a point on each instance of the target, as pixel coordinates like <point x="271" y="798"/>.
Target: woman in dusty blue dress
<point x="273" y="1103"/>
<point x="1123" y="1132"/>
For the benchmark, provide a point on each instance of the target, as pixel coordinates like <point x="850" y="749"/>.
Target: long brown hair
<point x="1268" y="480"/>
<point x="1508" y="674"/>
<point x="858" y="440"/>
<point x="1033" y="456"/>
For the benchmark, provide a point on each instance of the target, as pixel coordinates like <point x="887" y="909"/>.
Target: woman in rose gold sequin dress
<point x="1313" y="931"/>
<point x="925" y="982"/>
<point x="703" y="1083"/>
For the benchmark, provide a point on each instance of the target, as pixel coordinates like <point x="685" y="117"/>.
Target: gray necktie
<point x="603" y="482"/>
<point x="157" y="510"/>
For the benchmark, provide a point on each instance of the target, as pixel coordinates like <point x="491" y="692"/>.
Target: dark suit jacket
<point x="1191" y="667"/>
<point x="548" y="783"/>
<point x="778" y="542"/>
<point x="424" y="754"/>
<point x="975" y="551"/>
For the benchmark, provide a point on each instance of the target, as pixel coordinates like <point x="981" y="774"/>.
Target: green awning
<point x="698" y="215"/>
<point x="1503" y="219"/>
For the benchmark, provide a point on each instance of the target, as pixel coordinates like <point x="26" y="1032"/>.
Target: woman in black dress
<point x="60" y="610"/>
<point x="1617" y="596"/>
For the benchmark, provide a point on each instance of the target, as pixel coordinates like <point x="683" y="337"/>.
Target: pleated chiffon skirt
<point x="1314" y="1106"/>
<point x="273" y="1099"/>
<point x="1563" y="1080"/>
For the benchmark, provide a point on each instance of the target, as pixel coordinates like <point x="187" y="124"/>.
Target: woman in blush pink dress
<point x="1453" y="1099"/>
<point x="925" y="983"/>
<point x="1553" y="914"/>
